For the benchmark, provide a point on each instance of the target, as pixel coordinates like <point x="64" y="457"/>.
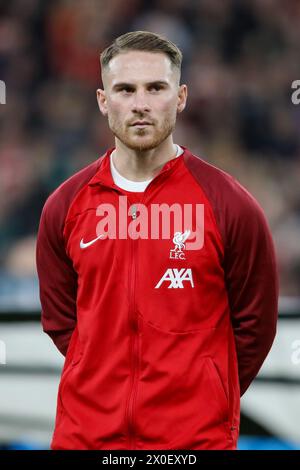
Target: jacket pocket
<point x="77" y="352"/>
<point x="218" y="389"/>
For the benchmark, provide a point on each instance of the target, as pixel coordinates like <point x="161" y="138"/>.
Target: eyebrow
<point x="119" y="85"/>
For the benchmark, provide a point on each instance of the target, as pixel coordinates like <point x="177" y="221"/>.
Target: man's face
<point x="141" y="98"/>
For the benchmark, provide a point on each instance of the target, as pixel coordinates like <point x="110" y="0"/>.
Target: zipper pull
<point x="133" y="211"/>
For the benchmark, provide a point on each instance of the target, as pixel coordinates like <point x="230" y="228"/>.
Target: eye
<point x="155" y="87"/>
<point x="126" y="89"/>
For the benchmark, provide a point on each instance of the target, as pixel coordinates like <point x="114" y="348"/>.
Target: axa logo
<point x="176" y="278"/>
<point x="178" y="240"/>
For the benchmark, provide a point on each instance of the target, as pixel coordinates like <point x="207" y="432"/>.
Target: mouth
<point x="141" y="124"/>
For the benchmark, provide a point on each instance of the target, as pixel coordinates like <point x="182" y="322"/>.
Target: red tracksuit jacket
<point x="161" y="339"/>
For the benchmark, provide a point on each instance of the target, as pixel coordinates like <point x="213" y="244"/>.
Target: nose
<point x="140" y="103"/>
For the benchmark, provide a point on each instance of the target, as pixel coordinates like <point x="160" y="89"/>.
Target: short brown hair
<point x="142" y="41"/>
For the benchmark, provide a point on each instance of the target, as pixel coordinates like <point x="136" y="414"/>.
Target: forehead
<point x="134" y="66"/>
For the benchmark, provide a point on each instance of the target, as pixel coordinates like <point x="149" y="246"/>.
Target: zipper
<point x="133" y="319"/>
<point x="133" y="211"/>
<point x="133" y="324"/>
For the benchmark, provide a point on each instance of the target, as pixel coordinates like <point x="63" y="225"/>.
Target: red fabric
<point x="152" y="367"/>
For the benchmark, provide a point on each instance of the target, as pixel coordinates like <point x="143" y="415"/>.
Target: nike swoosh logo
<point x="86" y="245"/>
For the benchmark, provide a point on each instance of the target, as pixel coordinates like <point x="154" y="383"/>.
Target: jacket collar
<point x="104" y="176"/>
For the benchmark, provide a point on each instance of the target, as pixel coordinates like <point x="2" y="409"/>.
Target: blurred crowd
<point x="240" y="59"/>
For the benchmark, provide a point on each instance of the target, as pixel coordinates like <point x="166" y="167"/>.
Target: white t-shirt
<point x="129" y="185"/>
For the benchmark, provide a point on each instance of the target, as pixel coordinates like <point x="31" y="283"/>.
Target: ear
<point x="182" y="97"/>
<point x="102" y="103"/>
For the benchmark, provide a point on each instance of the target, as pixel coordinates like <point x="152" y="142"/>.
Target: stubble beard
<point x="138" y="143"/>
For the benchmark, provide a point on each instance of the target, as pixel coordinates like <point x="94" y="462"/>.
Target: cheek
<point x="115" y="113"/>
<point x="167" y="107"/>
<point x="167" y="115"/>
<point x="115" y="108"/>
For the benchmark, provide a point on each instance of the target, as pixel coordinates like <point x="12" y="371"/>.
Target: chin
<point x="142" y="144"/>
<point x="145" y="142"/>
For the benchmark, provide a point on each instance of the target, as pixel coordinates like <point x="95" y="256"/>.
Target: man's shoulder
<point x="68" y="189"/>
<point x="58" y="202"/>
<point x="233" y="205"/>
<point x="218" y="185"/>
<point x="209" y="174"/>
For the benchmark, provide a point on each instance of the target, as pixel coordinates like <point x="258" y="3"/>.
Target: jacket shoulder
<point x="59" y="201"/>
<point x="213" y="179"/>
<point x="231" y="202"/>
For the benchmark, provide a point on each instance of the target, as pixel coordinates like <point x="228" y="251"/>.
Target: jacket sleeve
<point x="252" y="284"/>
<point x="57" y="278"/>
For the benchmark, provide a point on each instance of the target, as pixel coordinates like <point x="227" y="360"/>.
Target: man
<point x="157" y="272"/>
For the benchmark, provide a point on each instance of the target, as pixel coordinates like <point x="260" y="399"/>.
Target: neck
<point x="142" y="165"/>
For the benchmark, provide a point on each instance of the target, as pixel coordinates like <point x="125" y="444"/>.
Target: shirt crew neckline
<point x="129" y="185"/>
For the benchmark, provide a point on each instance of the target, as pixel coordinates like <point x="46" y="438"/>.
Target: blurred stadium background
<point x="240" y="59"/>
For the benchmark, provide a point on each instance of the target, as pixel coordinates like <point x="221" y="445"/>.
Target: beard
<point x="143" y="139"/>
